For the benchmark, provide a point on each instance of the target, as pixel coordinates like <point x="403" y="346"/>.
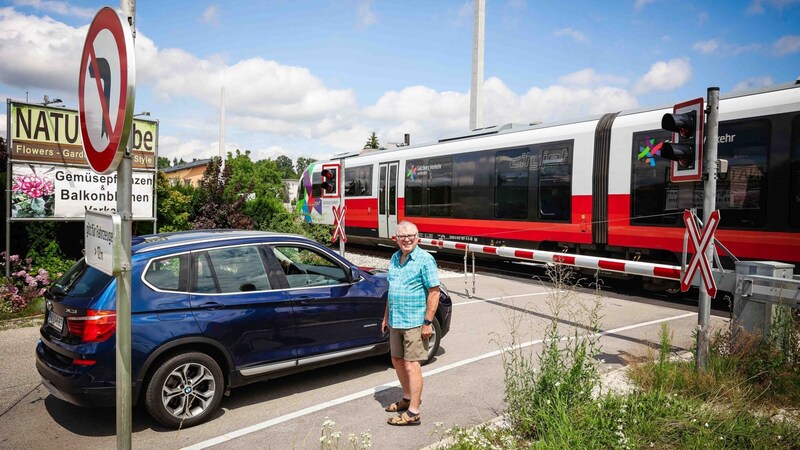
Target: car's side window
<point x="305" y="267"/>
<point x="168" y="274"/>
<point x="238" y="269"/>
<point x="204" y="282"/>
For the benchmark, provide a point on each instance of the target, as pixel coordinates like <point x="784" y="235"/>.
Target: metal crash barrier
<point x="761" y="287"/>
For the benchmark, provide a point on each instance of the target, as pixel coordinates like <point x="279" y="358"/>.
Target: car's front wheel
<point x="185" y="390"/>
<point x="433" y="341"/>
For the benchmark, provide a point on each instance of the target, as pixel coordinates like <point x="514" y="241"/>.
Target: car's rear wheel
<point x="185" y="390"/>
<point x="433" y="341"/>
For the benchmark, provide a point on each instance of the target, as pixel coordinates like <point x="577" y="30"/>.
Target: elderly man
<point x="413" y="298"/>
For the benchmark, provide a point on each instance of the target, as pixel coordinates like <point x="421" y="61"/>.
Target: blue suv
<point x="212" y="310"/>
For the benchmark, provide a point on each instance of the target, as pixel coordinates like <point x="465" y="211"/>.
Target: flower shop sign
<point x="50" y="178"/>
<point x="61" y="192"/>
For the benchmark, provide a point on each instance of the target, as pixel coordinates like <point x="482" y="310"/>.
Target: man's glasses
<point x="403" y="237"/>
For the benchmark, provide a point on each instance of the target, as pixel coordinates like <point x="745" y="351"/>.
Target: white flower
<point x="706" y="424"/>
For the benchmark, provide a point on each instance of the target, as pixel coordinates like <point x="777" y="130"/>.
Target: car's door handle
<point x="211" y="305"/>
<point x="304" y="299"/>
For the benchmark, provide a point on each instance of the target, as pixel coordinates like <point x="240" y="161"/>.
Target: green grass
<point x="747" y="398"/>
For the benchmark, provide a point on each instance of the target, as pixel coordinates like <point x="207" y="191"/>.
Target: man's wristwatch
<point x="427" y="322"/>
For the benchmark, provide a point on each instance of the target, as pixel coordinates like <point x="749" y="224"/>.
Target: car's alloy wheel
<point x="185" y="390"/>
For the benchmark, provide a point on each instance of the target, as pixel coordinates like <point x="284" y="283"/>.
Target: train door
<point x="387" y="200"/>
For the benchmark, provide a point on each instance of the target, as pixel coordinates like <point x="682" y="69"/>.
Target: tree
<point x="372" y="142"/>
<point x="303" y="163"/>
<point x="221" y="203"/>
<point x="174" y="208"/>
<point x="163" y="162"/>
<point x="286" y="166"/>
<point x="176" y="162"/>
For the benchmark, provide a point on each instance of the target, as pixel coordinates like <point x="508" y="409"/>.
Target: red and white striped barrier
<point x="588" y="262"/>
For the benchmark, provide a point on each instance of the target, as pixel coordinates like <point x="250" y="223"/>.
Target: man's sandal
<point x="405" y="420"/>
<point x="398" y="406"/>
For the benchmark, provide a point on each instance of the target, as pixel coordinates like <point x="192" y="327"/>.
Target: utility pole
<point x="476" y="93"/>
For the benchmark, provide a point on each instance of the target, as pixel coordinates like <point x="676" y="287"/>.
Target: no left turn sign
<point x="106" y="90"/>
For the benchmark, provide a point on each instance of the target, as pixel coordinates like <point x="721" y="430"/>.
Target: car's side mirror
<point x="355" y="275"/>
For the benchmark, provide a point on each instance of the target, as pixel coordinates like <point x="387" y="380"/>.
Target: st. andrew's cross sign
<point x="701" y="239"/>
<point x="106" y="90"/>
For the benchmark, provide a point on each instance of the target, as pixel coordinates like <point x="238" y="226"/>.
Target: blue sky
<point x="316" y="77"/>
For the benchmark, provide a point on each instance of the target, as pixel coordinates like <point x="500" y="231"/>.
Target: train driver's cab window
<point x="358" y="181"/>
<point x="794" y="188"/>
<point x="555" y="176"/>
<point x="511" y="183"/>
<point x="316" y="185"/>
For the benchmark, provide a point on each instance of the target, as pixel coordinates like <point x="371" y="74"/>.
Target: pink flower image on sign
<point x="32" y="196"/>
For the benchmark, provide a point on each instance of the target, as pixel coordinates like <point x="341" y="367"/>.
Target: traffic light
<point x="686" y="147"/>
<point x="329" y="181"/>
<point x="685" y="126"/>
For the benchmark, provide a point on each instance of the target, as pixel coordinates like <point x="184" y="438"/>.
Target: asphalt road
<point x="463" y="386"/>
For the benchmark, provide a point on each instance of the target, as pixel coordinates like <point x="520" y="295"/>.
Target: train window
<point x="382" y="192"/>
<point x="741" y="193"/>
<point x="416" y="187"/>
<point x="393" y="189"/>
<point x="794" y="188"/>
<point x="511" y="183"/>
<point x="473" y="177"/>
<point x="554" y="190"/>
<point x="316" y="184"/>
<point x="440" y="184"/>
<point x="654" y="199"/>
<point x="358" y="181"/>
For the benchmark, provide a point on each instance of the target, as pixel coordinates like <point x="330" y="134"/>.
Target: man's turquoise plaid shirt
<point x="408" y="288"/>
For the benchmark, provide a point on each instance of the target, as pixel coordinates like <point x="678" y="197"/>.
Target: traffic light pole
<point x="709" y="206"/>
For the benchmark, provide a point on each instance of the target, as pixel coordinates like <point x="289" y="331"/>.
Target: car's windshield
<point x="81" y="280"/>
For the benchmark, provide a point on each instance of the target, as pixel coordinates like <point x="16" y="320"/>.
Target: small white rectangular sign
<point x="103" y="247"/>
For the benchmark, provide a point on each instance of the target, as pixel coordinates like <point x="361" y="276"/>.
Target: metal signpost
<point x="106" y="97"/>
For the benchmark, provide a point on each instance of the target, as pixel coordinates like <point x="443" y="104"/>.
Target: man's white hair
<point x="406" y="225"/>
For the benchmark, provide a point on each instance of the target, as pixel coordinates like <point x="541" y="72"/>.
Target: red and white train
<point x="595" y="186"/>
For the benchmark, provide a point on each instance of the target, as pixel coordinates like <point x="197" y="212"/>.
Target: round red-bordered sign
<point x="106" y="90"/>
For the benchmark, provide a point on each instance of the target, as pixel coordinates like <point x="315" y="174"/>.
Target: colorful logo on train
<point x="649" y="151"/>
<point x="307" y="203"/>
<point x="412" y="172"/>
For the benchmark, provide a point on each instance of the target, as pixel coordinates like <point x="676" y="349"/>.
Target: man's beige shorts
<point x="408" y="344"/>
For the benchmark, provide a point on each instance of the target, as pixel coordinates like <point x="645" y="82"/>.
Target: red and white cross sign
<point x="106" y="90"/>
<point x="338" y="223"/>
<point x="700" y="243"/>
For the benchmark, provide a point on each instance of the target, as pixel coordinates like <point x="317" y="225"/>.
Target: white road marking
<point x="494" y="299"/>
<point x="372" y="391"/>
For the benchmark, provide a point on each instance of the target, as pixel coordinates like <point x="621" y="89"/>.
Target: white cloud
<point x="211" y="15"/>
<point x="786" y="45"/>
<point x="589" y="77"/>
<point x="639" y="4"/>
<point x="664" y="76"/>
<point x="706" y="47"/>
<point x="576" y="35"/>
<point x="365" y="15"/>
<point x="757" y="6"/>
<point x="752" y="83"/>
<point x="58" y="7"/>
<point x="39" y="53"/>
